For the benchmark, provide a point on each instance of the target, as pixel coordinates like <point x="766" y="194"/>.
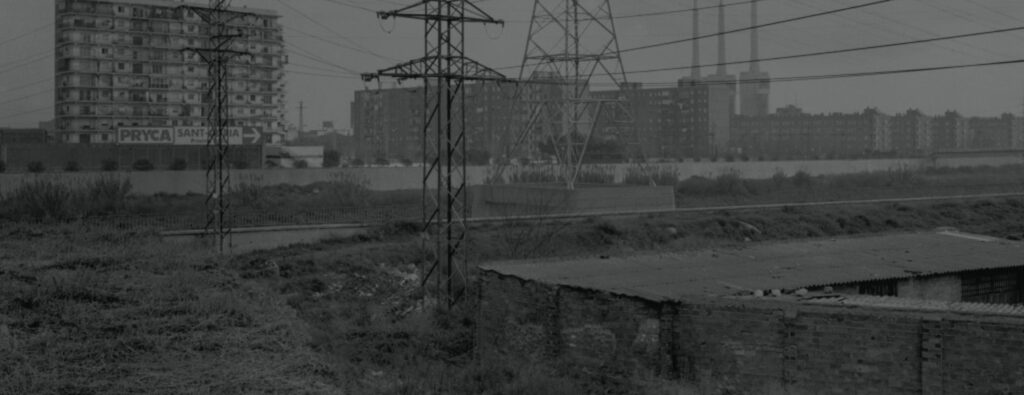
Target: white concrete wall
<point x="397" y="178"/>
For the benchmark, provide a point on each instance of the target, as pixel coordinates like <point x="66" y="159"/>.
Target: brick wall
<point x="753" y="346"/>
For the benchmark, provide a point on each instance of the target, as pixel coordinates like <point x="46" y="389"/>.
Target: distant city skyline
<point x="330" y="41"/>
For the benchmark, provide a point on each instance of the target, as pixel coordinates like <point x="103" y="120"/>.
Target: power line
<point x="743" y="29"/>
<point x="839" y="51"/>
<point x="50" y="107"/>
<point x="47" y="90"/>
<point x="856" y="74"/>
<point x="738" y="30"/>
<point x="33" y="83"/>
<point x="355" y="46"/>
<point x="17" y="64"/>
<point x="26" y="34"/>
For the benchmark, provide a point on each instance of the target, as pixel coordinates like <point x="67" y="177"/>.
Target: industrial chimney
<point x="754" y="84"/>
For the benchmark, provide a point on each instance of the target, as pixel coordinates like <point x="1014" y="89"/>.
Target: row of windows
<point x="152" y="12"/>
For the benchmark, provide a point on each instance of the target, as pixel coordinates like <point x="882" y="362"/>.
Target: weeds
<point x="42" y="198"/>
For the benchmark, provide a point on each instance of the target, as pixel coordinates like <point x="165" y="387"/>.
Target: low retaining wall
<point x="544" y="199"/>
<point x="763" y="346"/>
<point x="398" y="178"/>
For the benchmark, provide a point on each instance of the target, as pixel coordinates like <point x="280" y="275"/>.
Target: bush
<point x="332" y="158"/>
<point x="381" y="162"/>
<point x="40" y="199"/>
<point x="36" y="167"/>
<point x="179" y="164"/>
<point x="71" y="166"/>
<point x="301" y="164"/>
<point x="3" y="166"/>
<point x="595" y="175"/>
<point x="109" y="165"/>
<point x="142" y="165"/>
<point x="239" y="164"/>
<point x="660" y="176"/>
<point x="802" y="179"/>
<point x="406" y="162"/>
<point x="357" y="162"/>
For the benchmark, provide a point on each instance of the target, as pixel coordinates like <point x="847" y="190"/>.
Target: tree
<point x="109" y="165"/>
<point x="142" y="165"/>
<point x="332" y="158"/>
<point x="478" y="157"/>
<point x="179" y="164"/>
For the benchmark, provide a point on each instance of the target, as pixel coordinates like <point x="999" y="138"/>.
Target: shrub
<point x="71" y="166"/>
<point x="730" y="184"/>
<point x="660" y="176"/>
<point x="357" y="162"/>
<point x="301" y="164"/>
<point x="142" y="165"/>
<point x="240" y="164"/>
<point x="406" y="162"/>
<point x="179" y="164"/>
<point x="779" y="179"/>
<point x="802" y="179"/>
<point x="40" y="199"/>
<point x="109" y="165"/>
<point x="3" y="166"/>
<point x="36" y="167"/>
<point x="595" y="175"/>
<point x="332" y="158"/>
<point x="104" y="195"/>
<point x="381" y="161"/>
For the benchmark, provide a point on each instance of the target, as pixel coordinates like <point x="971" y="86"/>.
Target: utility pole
<point x="444" y="69"/>
<point x="569" y="45"/>
<point x="302" y="123"/>
<point x="218" y="56"/>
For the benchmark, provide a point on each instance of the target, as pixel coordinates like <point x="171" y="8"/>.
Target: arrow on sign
<point x="251" y="136"/>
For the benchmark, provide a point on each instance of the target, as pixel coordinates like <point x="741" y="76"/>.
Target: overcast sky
<point x="327" y="37"/>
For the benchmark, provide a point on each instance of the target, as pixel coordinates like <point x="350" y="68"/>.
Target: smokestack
<point x="721" y="38"/>
<point x="695" y="69"/>
<point x="755" y="65"/>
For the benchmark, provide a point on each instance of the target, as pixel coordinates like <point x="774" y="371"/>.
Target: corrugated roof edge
<point x="941" y="231"/>
<point x="897" y="303"/>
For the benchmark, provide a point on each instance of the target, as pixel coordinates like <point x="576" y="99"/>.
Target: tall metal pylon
<point x="444" y="69"/>
<point x="218" y="55"/>
<point x="571" y="46"/>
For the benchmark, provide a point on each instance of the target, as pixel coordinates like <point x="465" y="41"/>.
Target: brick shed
<point x="698" y="318"/>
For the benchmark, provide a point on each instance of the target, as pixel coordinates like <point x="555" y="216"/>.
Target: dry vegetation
<point x="90" y="310"/>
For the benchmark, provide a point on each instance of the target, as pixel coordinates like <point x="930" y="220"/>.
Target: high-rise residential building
<point x="387" y="124"/>
<point x="126" y="64"/>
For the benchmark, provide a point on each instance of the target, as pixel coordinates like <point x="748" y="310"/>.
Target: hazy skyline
<point x="317" y="33"/>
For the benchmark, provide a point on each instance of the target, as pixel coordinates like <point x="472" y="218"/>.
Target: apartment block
<point x="127" y="64"/>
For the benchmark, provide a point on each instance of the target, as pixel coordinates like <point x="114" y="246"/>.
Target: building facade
<point x="125" y="63"/>
<point x="792" y="133"/>
<point x="387" y="124"/>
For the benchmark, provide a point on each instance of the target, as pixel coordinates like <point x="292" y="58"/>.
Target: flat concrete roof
<point x="783" y="265"/>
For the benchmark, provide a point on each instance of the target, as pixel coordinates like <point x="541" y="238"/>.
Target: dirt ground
<point x="98" y="310"/>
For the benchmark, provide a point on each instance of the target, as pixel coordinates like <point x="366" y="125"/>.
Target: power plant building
<point x="125" y="64"/>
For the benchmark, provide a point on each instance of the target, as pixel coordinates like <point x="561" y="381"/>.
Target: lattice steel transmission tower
<point x="218" y="55"/>
<point x="444" y="69"/>
<point x="570" y="47"/>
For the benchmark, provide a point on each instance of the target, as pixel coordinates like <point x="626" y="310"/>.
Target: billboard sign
<point x="185" y="135"/>
<point x="199" y="135"/>
<point x="145" y="135"/>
